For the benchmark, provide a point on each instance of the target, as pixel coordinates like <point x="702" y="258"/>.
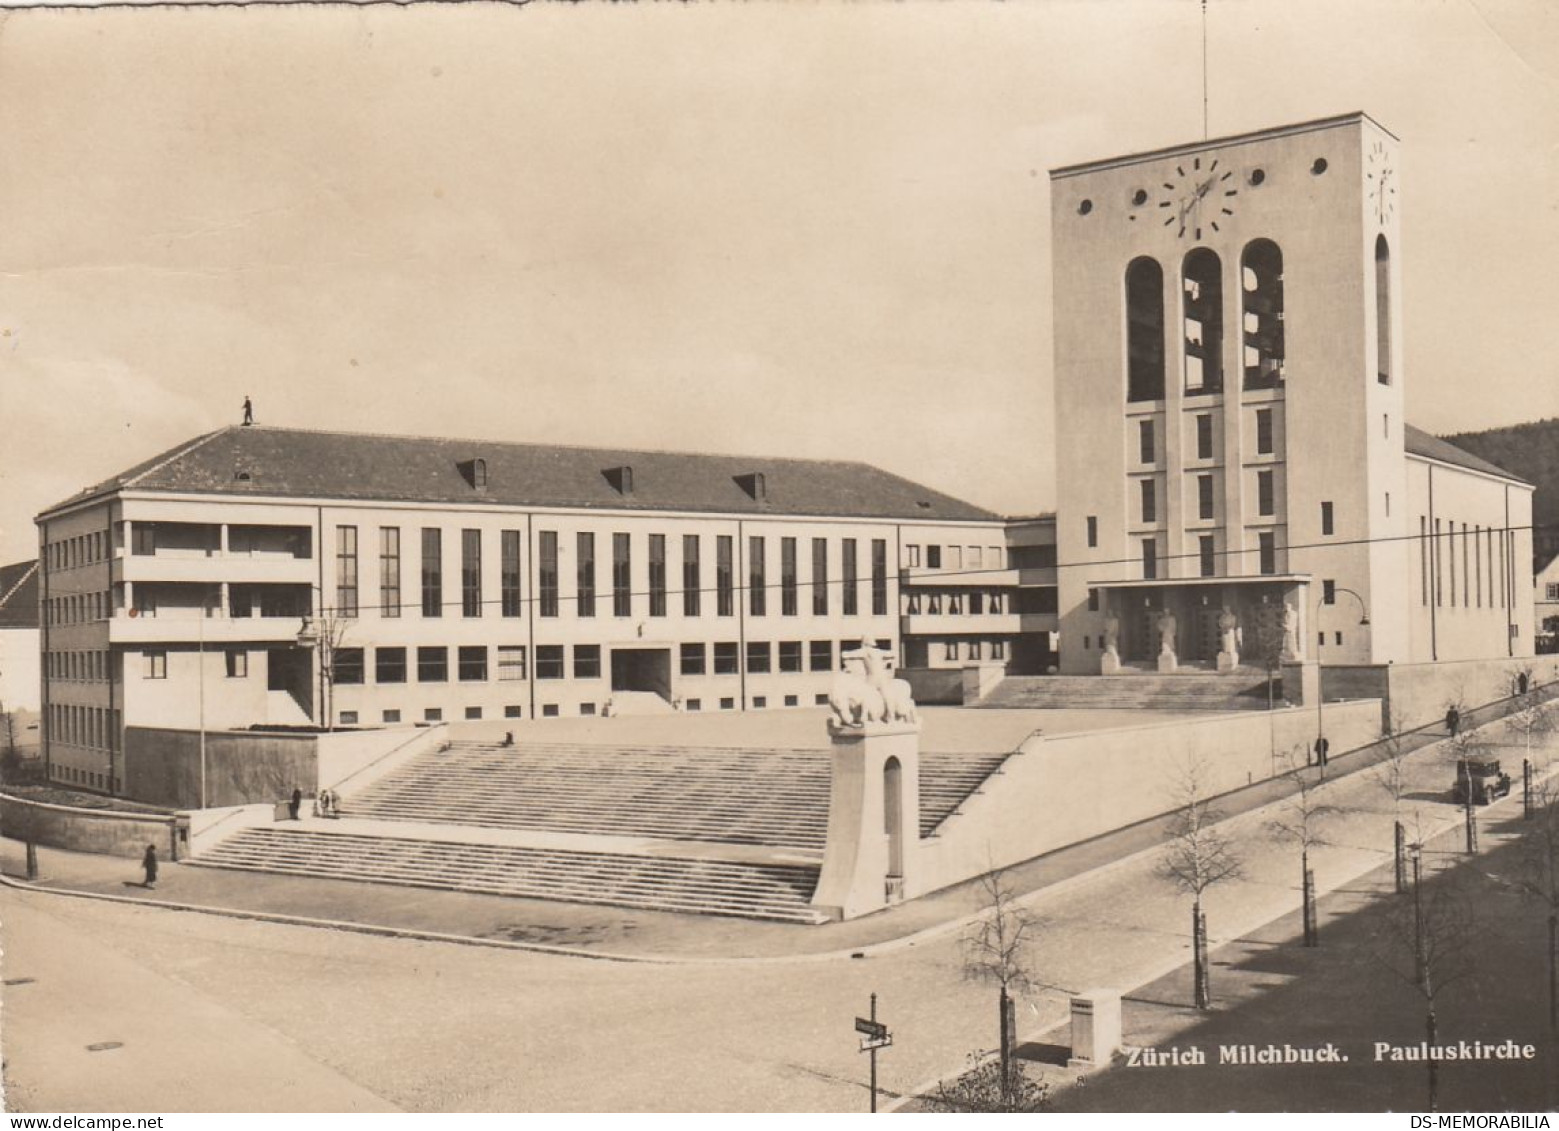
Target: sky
<point x="801" y="229"/>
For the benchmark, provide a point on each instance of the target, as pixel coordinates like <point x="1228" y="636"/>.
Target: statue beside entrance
<point x="1291" y="653"/>
<point x="1110" y="662"/>
<point x="1228" y="640"/>
<point x="1167" y="627"/>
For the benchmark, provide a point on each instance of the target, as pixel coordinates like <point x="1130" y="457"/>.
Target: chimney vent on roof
<point x="474" y="472"/>
<point x="753" y="483"/>
<point x="621" y="479"/>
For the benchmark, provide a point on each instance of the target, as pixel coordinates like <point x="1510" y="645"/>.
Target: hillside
<point x="1532" y="452"/>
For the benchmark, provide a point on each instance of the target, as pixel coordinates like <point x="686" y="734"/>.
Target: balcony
<point x="1039" y="622"/>
<point x="1038" y="575"/>
<point x="960" y="624"/>
<point x="971" y="576"/>
<point x="238" y="569"/>
<point x="188" y="628"/>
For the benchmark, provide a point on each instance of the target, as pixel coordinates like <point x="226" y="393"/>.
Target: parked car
<point x="1482" y="777"/>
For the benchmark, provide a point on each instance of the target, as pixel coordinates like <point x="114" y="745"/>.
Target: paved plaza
<point x="725" y="1015"/>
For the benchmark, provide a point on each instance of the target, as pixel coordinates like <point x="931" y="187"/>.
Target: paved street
<point x="333" y="1020"/>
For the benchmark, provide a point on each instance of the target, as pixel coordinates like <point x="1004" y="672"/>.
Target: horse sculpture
<point x="863" y="691"/>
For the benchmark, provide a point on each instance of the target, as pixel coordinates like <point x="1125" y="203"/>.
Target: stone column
<point x="1096" y="1029"/>
<point x="855" y="878"/>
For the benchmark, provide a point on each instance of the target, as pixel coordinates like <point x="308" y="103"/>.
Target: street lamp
<point x="1320" y="697"/>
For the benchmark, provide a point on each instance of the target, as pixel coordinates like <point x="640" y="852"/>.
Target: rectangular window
<point x="1434" y="550"/>
<point x="727" y="659"/>
<point x="821" y="657"/>
<point x="1450" y="557"/>
<point x="1264" y="431"/>
<point x="347" y="665"/>
<point x="346" y="571"/>
<point x="237" y="663"/>
<point x="1204" y="496"/>
<point x="547" y="574"/>
<point x="584" y="574"/>
<point x="692" y="656"/>
<point x="1326" y="518"/>
<point x="950" y="650"/>
<point x="820" y="577"/>
<point x="1267" y="552"/>
<point x="389" y="665"/>
<point x="432" y="572"/>
<point x="1093" y="600"/>
<point x="1328" y="592"/>
<point x="1093" y="531"/>
<point x="912" y="556"/>
<point x="1477" y="562"/>
<point x="1464" y="565"/>
<point x="998" y="649"/>
<point x="758" y="656"/>
<point x="622" y="575"/>
<point x="933" y="557"/>
<point x="879" y="577"/>
<point x="1207" y="555"/>
<point x="850" y="596"/>
<point x="757" y="594"/>
<point x="1145" y="441"/>
<point x="657" y="575"/>
<point x="389" y="571"/>
<point x="432" y="664"/>
<point x="725" y="575"/>
<point x="972" y="650"/>
<point x="510" y="585"/>
<point x="1149" y="501"/>
<point x="511" y="663"/>
<point x="587" y="661"/>
<point x="391" y="715"/>
<point x="549" y="662"/>
<point x="692" y="575"/>
<point x="473" y="663"/>
<point x="1149" y="558"/>
<point x="788" y="599"/>
<point x="471" y="573"/>
<point x="1265" y="500"/>
<point x="790" y="656"/>
<point x="473" y="712"/>
<point x="1423" y="560"/>
<point x="143" y="540"/>
<point x="1204" y="435"/>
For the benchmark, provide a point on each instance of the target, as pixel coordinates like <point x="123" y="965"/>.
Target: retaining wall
<point x="106" y="831"/>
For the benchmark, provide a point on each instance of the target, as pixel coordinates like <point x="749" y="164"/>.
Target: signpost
<point x="874" y="1036"/>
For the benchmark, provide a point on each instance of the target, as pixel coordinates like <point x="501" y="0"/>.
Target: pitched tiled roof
<point x="289" y="462"/>
<point x="19" y="595"/>
<point x="1421" y="443"/>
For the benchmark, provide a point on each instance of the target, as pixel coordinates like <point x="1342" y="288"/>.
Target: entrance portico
<point x="1133" y="614"/>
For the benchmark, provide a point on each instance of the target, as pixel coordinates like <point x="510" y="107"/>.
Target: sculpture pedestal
<point x="1096" y="1029"/>
<point x="1110" y="662"/>
<point x="1228" y="661"/>
<point x="1302" y="683"/>
<point x="873" y="819"/>
<point x="1167" y="663"/>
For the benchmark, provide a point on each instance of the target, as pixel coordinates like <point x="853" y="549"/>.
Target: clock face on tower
<point x="1197" y="198"/>
<point x="1381" y="178"/>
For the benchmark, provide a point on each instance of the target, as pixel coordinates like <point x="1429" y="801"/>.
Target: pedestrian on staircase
<point x="149" y="864"/>
<point x="295" y="804"/>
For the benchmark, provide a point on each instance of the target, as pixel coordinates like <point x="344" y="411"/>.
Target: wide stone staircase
<point x="707" y="887"/>
<point x="685" y="801"/>
<point x="727" y="795"/>
<point x="1242" y="690"/>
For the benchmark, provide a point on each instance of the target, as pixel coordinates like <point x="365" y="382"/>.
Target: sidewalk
<point x="616" y="933"/>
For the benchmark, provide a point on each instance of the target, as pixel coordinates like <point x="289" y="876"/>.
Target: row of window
<point x="93" y="728"/>
<point x="83" y="549"/>
<point x="1147" y="442"/>
<point x="89" y="667"/>
<point x="77" y="608"/>
<point x="953" y="602"/>
<point x="957" y="557"/>
<point x="1207" y="558"/>
<point x="392" y="715"/>
<point x="1266" y="498"/>
<point x="625" y="602"/>
<point x="88" y="778"/>
<point x="1484" y="553"/>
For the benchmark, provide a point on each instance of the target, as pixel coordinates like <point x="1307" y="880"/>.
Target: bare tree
<point x="986" y="1087"/>
<point x="1198" y="857"/>
<point x="1299" y="818"/>
<point x="1537" y="876"/>
<point x="324" y="633"/>
<point x="1429" y="944"/>
<point x="996" y="951"/>
<point x="1390" y="773"/>
<point x="1467" y="747"/>
<point x="10" y="756"/>
<point x="1533" y="722"/>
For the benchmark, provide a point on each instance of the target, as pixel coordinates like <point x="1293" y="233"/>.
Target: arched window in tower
<point x="1202" y="280"/>
<point x="1261" y="308"/>
<point x="1382" y="311"/>
<point x="1144" y="330"/>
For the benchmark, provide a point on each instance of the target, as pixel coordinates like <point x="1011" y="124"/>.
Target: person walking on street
<point x="1453" y="720"/>
<point x="149" y="864"/>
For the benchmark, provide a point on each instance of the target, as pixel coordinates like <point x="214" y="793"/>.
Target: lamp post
<point x="1320" y="696"/>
